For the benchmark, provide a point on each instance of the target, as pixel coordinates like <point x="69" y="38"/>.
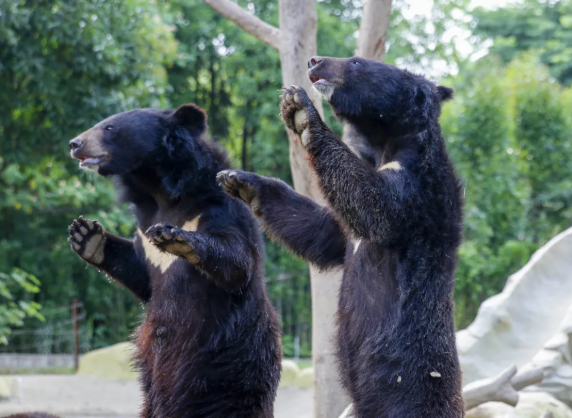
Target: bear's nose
<point x="76" y="144"/>
<point x="312" y="62"/>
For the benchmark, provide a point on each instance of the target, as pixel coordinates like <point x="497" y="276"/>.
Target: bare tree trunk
<point x="296" y="40"/>
<point x="373" y="29"/>
<point x="298" y="30"/>
<point x="298" y="37"/>
<point x="329" y="397"/>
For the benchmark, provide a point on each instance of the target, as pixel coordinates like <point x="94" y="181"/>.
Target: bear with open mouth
<point x="210" y="343"/>
<point x="393" y="225"/>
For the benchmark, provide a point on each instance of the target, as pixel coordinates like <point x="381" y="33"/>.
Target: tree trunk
<point x="298" y="36"/>
<point x="296" y="40"/>
<point x="329" y="397"/>
<point x="373" y="29"/>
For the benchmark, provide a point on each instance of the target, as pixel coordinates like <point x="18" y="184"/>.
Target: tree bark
<point x="373" y="29"/>
<point x="298" y="28"/>
<point x="246" y="21"/>
<point x="296" y="40"/>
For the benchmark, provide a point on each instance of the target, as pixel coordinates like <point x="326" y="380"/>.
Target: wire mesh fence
<point x="63" y="331"/>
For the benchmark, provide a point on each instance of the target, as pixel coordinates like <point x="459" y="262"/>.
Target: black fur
<point x="209" y="345"/>
<point x="396" y="214"/>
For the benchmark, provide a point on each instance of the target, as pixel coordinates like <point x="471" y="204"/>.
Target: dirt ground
<point x="90" y="397"/>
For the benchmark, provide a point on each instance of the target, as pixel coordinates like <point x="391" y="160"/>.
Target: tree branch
<point x="497" y="389"/>
<point x="528" y="378"/>
<point x="501" y="388"/>
<point x="248" y="22"/>
<point x="373" y="29"/>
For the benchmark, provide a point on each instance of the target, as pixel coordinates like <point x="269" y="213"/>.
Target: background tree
<point x="542" y="26"/>
<point x="296" y="40"/>
<point x="64" y="66"/>
<point x="13" y="312"/>
<point x="509" y="137"/>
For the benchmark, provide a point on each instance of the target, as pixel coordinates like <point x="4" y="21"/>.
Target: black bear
<point x="210" y="343"/>
<point x="394" y="224"/>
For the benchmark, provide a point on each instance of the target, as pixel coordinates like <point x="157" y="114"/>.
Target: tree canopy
<point x="65" y="65"/>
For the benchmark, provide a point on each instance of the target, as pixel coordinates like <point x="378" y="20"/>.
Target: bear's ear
<point x="445" y="93"/>
<point x="192" y="117"/>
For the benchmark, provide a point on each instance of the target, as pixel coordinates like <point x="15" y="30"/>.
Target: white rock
<point x="530" y="405"/>
<point x="113" y="362"/>
<point x="556" y="361"/>
<point x="305" y="378"/>
<point x="290" y="372"/>
<point x="515" y="325"/>
<point x="5" y="387"/>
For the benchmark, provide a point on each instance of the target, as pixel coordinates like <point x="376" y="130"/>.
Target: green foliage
<point x="507" y="134"/>
<point x="542" y="26"/>
<point x="13" y="312"/>
<point x="65" y="65"/>
<point x="544" y="139"/>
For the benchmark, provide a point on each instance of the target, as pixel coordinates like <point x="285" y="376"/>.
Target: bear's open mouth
<point x="92" y="161"/>
<point x="324" y="87"/>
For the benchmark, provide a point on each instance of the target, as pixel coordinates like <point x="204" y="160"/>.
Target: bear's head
<point x="375" y="95"/>
<point x="127" y="141"/>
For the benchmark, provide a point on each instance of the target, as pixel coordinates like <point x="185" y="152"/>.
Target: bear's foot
<point x="242" y="185"/>
<point x="87" y="239"/>
<point x="173" y="240"/>
<point x="297" y="110"/>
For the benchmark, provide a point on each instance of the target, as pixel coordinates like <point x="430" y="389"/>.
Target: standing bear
<point x="394" y="225"/>
<point x="210" y="343"/>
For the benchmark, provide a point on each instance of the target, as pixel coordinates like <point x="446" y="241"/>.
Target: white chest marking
<point x="158" y="258"/>
<point x="393" y="165"/>
<point x="356" y="243"/>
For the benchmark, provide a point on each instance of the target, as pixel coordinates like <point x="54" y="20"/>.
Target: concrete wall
<point x="34" y="361"/>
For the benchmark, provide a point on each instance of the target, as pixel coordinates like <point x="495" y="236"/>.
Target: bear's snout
<point x="76" y="144"/>
<point x="312" y="62"/>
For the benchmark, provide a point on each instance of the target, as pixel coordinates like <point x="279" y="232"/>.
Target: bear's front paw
<point x="296" y="109"/>
<point x="173" y="240"/>
<point x="241" y="185"/>
<point x="87" y="239"/>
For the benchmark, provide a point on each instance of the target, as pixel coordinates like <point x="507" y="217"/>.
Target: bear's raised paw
<point x="87" y="239"/>
<point x="173" y="240"/>
<point x="296" y="110"/>
<point x="242" y="185"/>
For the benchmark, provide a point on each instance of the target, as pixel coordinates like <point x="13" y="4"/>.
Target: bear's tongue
<point x="314" y="78"/>
<point x="93" y="160"/>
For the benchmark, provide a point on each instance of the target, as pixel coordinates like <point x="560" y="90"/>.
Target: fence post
<point x="75" y="335"/>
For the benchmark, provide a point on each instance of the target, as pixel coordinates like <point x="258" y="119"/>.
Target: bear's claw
<point x="295" y="108"/>
<point x="173" y="240"/>
<point x="87" y="239"/>
<point x="241" y="185"/>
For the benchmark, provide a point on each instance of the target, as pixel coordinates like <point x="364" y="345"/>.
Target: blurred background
<point x="65" y="65"/>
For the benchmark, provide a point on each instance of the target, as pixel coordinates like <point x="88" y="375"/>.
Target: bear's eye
<point x="109" y="128"/>
<point x="356" y="62"/>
